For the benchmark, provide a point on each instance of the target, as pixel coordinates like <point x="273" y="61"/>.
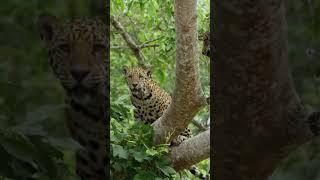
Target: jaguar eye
<point x="99" y="47"/>
<point x="130" y="76"/>
<point x="64" y="47"/>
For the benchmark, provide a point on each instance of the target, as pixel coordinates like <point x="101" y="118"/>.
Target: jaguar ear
<point x="45" y="25"/>
<point x="149" y="72"/>
<point x="125" y="70"/>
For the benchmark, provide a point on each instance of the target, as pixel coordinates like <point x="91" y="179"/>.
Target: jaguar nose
<point x="134" y="85"/>
<point x="79" y="74"/>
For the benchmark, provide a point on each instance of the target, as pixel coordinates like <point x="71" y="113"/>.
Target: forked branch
<point x="187" y="98"/>
<point x="191" y="151"/>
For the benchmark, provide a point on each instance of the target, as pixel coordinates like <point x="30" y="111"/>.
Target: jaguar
<point x="151" y="101"/>
<point x="77" y="54"/>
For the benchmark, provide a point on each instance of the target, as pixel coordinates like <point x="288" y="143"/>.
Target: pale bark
<point x="254" y="95"/>
<point x="187" y="97"/>
<point x="191" y="151"/>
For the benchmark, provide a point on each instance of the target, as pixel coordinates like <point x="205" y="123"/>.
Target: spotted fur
<point x="77" y="56"/>
<point x="149" y="100"/>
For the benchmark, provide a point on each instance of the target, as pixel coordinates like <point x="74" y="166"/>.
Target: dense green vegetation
<point x="304" y="40"/>
<point x="34" y="142"/>
<point x="152" y="23"/>
<point x="303" y="45"/>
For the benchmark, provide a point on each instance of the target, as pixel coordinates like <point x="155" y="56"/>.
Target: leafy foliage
<point x="147" y="22"/>
<point x="302" y="164"/>
<point x="133" y="154"/>
<point x="34" y="143"/>
<point x="304" y="52"/>
<point x="151" y="22"/>
<point x="33" y="155"/>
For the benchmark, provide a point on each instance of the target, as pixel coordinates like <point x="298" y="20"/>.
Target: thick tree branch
<point x="191" y="151"/>
<point x="187" y="97"/>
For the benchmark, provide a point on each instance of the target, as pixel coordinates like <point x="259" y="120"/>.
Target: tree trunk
<point x="253" y="90"/>
<point x="187" y="97"/>
<point x="191" y="151"/>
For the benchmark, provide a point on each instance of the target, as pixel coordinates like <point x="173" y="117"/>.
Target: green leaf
<point x="165" y="161"/>
<point x="42" y="113"/>
<point x="120" y="4"/>
<point x="117" y="166"/>
<point x="18" y="146"/>
<point x="31" y="129"/>
<point x="151" y="152"/>
<point x="64" y="143"/>
<point x="21" y="169"/>
<point x="143" y="175"/>
<point x="139" y="156"/>
<point x="46" y="156"/>
<point x="141" y="4"/>
<point x="167" y="170"/>
<point x="155" y="4"/>
<point x="119" y="151"/>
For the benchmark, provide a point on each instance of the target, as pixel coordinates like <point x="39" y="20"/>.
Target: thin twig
<point x="140" y="46"/>
<point x="119" y="47"/>
<point x="152" y="40"/>
<point x="148" y="45"/>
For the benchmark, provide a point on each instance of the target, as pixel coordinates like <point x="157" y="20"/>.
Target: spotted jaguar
<point x="77" y="53"/>
<point x="150" y="102"/>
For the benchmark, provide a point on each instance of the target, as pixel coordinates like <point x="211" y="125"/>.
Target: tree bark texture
<point x="191" y="151"/>
<point x="187" y="97"/>
<point x="253" y="90"/>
